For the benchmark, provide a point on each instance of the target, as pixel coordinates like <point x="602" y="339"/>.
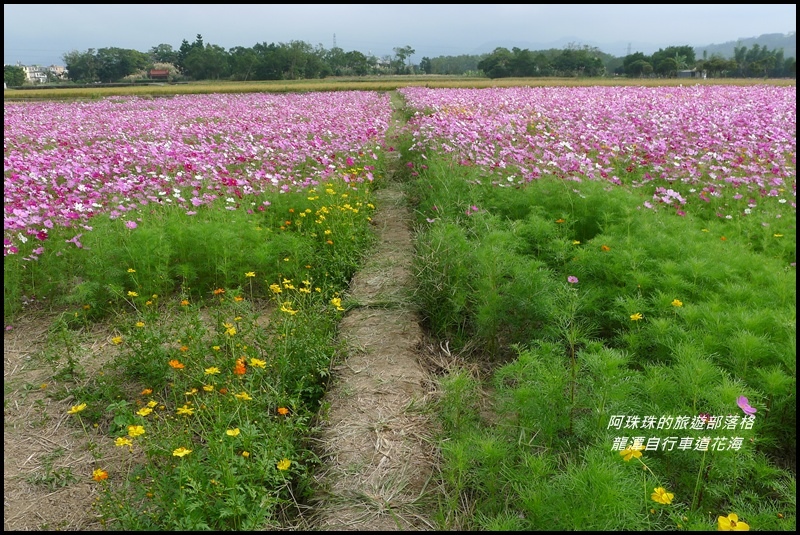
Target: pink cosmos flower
<point x="744" y="404"/>
<point x="572" y="279"/>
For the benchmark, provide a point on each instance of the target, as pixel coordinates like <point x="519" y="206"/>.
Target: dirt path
<point x="379" y="469"/>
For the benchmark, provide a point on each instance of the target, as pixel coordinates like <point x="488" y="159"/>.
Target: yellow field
<point x="381" y="83"/>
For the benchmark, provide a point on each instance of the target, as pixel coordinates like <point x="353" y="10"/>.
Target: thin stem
<point x="697" y="483"/>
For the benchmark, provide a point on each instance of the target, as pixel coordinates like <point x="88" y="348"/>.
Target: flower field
<point x="618" y="261"/>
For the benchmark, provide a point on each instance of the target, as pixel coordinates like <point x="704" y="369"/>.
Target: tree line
<point x="296" y="60"/>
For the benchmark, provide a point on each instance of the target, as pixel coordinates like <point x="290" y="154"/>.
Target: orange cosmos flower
<point x="175" y="363"/>
<point x="239" y="369"/>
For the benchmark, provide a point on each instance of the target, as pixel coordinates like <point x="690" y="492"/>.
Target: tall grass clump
<point x="645" y="326"/>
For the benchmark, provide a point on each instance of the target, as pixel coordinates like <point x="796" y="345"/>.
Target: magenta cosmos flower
<point x="572" y="279"/>
<point x="744" y="404"/>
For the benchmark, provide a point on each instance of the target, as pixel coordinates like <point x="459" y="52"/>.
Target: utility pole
<point x="334" y="40"/>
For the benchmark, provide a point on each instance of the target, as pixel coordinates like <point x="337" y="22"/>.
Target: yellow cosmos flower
<point x="144" y="411"/>
<point x="140" y="324"/>
<point x="245" y="454"/>
<point x="233" y="432"/>
<point x="152" y="404"/>
<point x="133" y="294"/>
<point x="75" y="409"/>
<point x="287" y="307"/>
<point x="99" y="474"/>
<point x="258" y="363"/>
<point x="661" y="495"/>
<point x="135" y="430"/>
<point x="117" y="340"/>
<point x="284" y="464"/>
<point x="208" y="388"/>
<point x="185" y="410"/>
<point x="677" y="303"/>
<point x="636" y="317"/>
<point x="131" y="270"/>
<point x="123" y="441"/>
<point x="250" y="274"/>
<point x="631" y="452"/>
<point x="180" y="452"/>
<point x="731" y="523"/>
<point x="244" y="396"/>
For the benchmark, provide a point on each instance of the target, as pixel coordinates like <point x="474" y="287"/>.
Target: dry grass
<point x="382" y="83"/>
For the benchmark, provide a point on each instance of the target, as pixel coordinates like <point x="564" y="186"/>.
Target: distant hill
<point x="772" y="41"/>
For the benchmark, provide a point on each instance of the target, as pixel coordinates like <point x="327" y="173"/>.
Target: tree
<point x="13" y="76"/>
<point x="184" y="50"/>
<point x="163" y="53"/>
<point x="522" y="64"/>
<point x="297" y="55"/>
<point x="114" y="64"/>
<point x="242" y="63"/>
<point x="716" y="66"/>
<point x="270" y="61"/>
<point x="207" y="63"/>
<point x="632" y="64"/>
<point x="497" y="64"/>
<point x="357" y="62"/>
<point x="337" y="61"/>
<point x="400" y="56"/>
<point x="456" y="64"/>
<point x="639" y="68"/>
<point x="81" y="67"/>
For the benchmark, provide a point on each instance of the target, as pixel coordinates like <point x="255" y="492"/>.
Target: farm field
<point x="604" y="276"/>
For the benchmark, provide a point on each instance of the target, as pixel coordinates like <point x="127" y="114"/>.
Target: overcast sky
<point x="42" y="33"/>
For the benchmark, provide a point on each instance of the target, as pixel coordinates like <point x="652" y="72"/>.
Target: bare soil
<point x="47" y="463"/>
<point x="379" y="467"/>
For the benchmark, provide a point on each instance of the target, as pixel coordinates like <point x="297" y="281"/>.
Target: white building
<point x="36" y="74"/>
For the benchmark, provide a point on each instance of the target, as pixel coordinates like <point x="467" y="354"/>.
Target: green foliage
<point x="224" y="326"/>
<point x="13" y="75"/>
<point x="663" y="315"/>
